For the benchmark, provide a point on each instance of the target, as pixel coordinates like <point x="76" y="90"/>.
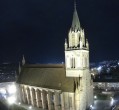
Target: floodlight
<point x="11" y="99"/>
<point x="11" y="89"/>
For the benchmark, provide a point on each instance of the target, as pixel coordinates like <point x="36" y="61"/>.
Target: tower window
<point x="71" y="62"/>
<point x="74" y="62"/>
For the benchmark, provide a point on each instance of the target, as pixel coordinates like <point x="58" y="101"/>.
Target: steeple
<point x="75" y="21"/>
<point x="23" y="60"/>
<point x="19" y="68"/>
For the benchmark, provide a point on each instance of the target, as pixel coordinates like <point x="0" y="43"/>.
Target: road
<point x="102" y="105"/>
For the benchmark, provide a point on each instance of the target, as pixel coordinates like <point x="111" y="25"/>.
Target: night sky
<point x="38" y="28"/>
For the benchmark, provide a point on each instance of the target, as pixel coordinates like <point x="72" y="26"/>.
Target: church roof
<point x="46" y="76"/>
<point x="75" y="21"/>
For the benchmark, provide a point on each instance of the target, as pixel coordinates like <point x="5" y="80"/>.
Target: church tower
<point x="76" y="49"/>
<point x="77" y="64"/>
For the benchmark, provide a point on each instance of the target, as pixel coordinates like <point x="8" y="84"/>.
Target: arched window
<point x="74" y="62"/>
<point x="71" y="62"/>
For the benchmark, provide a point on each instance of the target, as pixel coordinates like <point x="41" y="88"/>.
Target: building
<point x="106" y="84"/>
<point x="60" y="86"/>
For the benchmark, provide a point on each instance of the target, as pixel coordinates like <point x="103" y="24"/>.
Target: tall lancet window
<point x="74" y="62"/>
<point x="71" y="62"/>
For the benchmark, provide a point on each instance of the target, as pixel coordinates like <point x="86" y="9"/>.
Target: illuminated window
<point x="74" y="62"/>
<point x="71" y="62"/>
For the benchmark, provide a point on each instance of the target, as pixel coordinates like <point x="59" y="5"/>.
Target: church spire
<point x="23" y="60"/>
<point x="19" y="68"/>
<point x="75" y="21"/>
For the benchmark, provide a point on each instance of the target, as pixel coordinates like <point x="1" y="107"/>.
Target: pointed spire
<point x="87" y="44"/>
<point x="75" y="21"/>
<point x="65" y="44"/>
<point x="23" y="60"/>
<point x="19" y="68"/>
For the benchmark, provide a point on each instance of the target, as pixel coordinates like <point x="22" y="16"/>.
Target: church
<point x="60" y="86"/>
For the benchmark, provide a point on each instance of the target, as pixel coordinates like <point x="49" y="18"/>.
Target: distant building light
<point x="92" y="69"/>
<point x="99" y="68"/>
<point x="112" y="101"/>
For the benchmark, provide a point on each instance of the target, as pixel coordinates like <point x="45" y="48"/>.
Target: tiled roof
<point x="47" y="76"/>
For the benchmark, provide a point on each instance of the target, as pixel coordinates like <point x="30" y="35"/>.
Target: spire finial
<point x="75" y="5"/>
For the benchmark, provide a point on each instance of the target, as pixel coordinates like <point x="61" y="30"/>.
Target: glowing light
<point x="19" y="103"/>
<point x="11" y="99"/>
<point x="91" y="106"/>
<point x="30" y="107"/>
<point x="118" y="63"/>
<point x="112" y="101"/>
<point x="3" y="91"/>
<point x="99" y="68"/>
<point x="12" y="89"/>
<point x="95" y="97"/>
<point x="92" y="69"/>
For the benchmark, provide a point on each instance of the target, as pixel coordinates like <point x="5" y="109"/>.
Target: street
<point x="102" y="105"/>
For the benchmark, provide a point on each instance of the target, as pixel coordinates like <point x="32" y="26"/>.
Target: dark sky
<point x="37" y="29"/>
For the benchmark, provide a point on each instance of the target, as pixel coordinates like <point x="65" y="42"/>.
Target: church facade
<point x="60" y="86"/>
